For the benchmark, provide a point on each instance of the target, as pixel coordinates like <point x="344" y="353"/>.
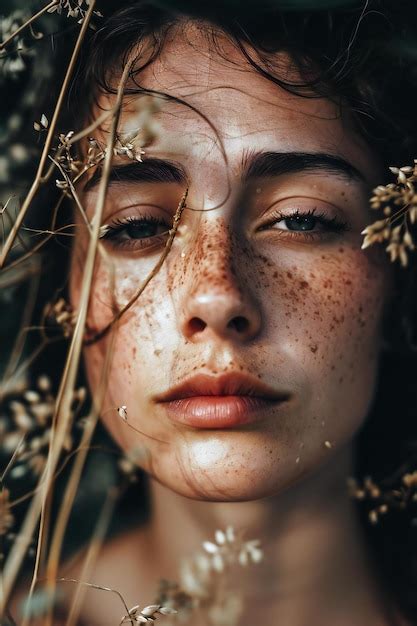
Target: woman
<point x="242" y="375"/>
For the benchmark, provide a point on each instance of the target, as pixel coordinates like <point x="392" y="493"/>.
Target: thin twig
<point x="63" y="404"/>
<point x="64" y="397"/>
<point x="12" y="460"/>
<point x="92" y="553"/>
<point x="98" y="587"/>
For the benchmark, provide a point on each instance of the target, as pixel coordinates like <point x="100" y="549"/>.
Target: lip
<point x="224" y="401"/>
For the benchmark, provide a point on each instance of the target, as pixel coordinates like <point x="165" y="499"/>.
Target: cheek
<point x="328" y="302"/>
<point x="326" y="316"/>
<point x="139" y="342"/>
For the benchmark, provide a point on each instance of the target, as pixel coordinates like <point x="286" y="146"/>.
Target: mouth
<point x="220" y="401"/>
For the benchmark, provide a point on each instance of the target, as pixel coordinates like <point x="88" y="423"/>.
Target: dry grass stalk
<point x="71" y="489"/>
<point x="64" y="395"/>
<point x="92" y="554"/>
<point x="398" y="202"/>
<point x="62" y="425"/>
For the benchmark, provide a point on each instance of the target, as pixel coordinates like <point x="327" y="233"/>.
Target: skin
<point x="313" y="310"/>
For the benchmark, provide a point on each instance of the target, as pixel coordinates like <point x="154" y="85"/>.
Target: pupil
<point x="300" y="223"/>
<point x="138" y="231"/>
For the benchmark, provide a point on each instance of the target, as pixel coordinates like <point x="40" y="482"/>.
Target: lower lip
<point x="217" y="411"/>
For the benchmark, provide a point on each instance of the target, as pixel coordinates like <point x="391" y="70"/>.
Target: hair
<point x="357" y="56"/>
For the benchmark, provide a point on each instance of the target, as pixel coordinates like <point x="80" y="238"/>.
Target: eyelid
<point x="296" y="199"/>
<point x="302" y="204"/>
<point x="136" y="210"/>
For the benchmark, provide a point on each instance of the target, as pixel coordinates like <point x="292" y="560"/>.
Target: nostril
<point x="239" y="323"/>
<point x="196" y="325"/>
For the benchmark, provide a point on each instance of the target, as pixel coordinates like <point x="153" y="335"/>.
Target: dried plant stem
<point x="150" y="276"/>
<point x="37" y="246"/>
<point x="92" y="554"/>
<point x="71" y="489"/>
<point x="27" y="315"/>
<point x="65" y="462"/>
<point x="26" y="363"/>
<point x="98" y="587"/>
<point x="38" y="178"/>
<point x="64" y="398"/>
<point x="11" y="460"/>
<point x="74" y="139"/>
<point x="46" y="8"/>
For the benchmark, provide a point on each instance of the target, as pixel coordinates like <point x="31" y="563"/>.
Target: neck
<point x="315" y="559"/>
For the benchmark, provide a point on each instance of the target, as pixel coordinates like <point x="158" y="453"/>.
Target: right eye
<point x="136" y="232"/>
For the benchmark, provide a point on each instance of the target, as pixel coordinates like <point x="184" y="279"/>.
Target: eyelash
<point x="331" y="224"/>
<point x="117" y="227"/>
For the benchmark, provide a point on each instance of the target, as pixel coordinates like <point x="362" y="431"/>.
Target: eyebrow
<point x="269" y="164"/>
<point x="151" y="170"/>
<point x="253" y="165"/>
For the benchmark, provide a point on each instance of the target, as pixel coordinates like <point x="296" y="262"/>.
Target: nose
<point x="217" y="297"/>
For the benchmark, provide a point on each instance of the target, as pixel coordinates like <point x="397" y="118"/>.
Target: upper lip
<point x="227" y="385"/>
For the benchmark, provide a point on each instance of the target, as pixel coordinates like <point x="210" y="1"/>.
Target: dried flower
<point x="147" y="614"/>
<point x="398" y="203"/>
<point x="410" y="479"/>
<point x="200" y="586"/>
<point x="396" y="494"/>
<point x="128" y="146"/>
<point x="122" y="411"/>
<point x="26" y="424"/>
<point x="75" y="8"/>
<point x="61" y="314"/>
<point x="42" y="124"/>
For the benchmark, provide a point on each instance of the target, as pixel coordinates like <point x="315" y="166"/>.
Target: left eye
<point x="307" y="221"/>
<point x="300" y="222"/>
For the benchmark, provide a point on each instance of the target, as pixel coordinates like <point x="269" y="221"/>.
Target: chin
<point x="218" y="471"/>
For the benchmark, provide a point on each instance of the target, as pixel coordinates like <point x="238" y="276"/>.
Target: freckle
<point x="303" y="284"/>
<point x="313" y="348"/>
<point x="341" y="249"/>
<point x="275" y="275"/>
<point x="289" y="274"/>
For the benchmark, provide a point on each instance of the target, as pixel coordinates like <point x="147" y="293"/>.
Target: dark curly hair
<point x="361" y="56"/>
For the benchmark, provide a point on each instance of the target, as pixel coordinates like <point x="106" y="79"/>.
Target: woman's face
<point x="266" y="283"/>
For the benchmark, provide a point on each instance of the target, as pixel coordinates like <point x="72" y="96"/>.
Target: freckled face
<point x="265" y="276"/>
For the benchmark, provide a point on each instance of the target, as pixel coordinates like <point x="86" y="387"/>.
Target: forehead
<point x="218" y="101"/>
